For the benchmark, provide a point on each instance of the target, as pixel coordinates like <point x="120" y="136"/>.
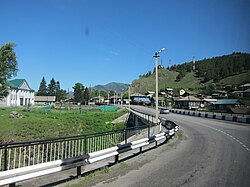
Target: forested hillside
<point x="224" y="70"/>
<point x="216" y="68"/>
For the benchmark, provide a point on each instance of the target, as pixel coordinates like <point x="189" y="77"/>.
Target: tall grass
<point x="38" y="124"/>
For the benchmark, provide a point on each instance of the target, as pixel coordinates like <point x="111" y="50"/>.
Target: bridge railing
<point x="241" y="118"/>
<point x="25" y="160"/>
<point x="22" y="154"/>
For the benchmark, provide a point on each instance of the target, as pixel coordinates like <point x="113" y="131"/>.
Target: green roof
<point x="226" y="101"/>
<point x="17" y="83"/>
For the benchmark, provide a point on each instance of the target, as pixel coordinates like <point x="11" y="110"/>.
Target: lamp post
<point x="129" y="98"/>
<point x="156" y="56"/>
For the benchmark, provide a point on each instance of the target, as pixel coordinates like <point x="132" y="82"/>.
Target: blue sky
<point x="101" y="41"/>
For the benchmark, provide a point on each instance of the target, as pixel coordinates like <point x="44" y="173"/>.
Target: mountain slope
<point x="113" y="86"/>
<point x="231" y="69"/>
<point x="167" y="79"/>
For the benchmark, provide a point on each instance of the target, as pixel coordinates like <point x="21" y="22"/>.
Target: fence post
<point x="5" y="158"/>
<point x="116" y="159"/>
<point x="85" y="144"/>
<point x="12" y="185"/>
<point x="125" y="135"/>
<point x="148" y="130"/>
<point x="78" y="171"/>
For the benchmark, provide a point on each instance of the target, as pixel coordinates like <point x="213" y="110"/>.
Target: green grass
<point x="166" y="80"/>
<point x="38" y="125"/>
<point x="236" y="79"/>
<point x="179" y="133"/>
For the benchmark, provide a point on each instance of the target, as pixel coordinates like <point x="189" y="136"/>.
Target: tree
<point x="78" y="92"/>
<point x="181" y="75"/>
<point x="208" y="90"/>
<point x="52" y="87"/>
<point x="8" y="66"/>
<point x="42" y="91"/>
<point x="86" y="96"/>
<point x="61" y="95"/>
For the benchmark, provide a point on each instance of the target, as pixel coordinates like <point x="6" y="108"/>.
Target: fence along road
<point x="214" y="153"/>
<point x="26" y="160"/>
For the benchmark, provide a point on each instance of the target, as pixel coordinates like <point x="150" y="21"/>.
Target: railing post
<point x="85" y="144"/>
<point x="148" y="131"/>
<point x="12" y="185"/>
<point x="116" y="159"/>
<point x="78" y="171"/>
<point x="5" y="158"/>
<point x="125" y="136"/>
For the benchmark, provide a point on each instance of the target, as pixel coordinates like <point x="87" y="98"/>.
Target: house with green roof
<point x="20" y="94"/>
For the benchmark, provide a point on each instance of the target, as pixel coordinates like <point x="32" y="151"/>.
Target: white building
<point x="19" y="94"/>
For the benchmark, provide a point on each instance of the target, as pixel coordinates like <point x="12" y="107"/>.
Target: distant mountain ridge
<point x="113" y="86"/>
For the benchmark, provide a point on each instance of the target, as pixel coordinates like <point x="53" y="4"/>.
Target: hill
<point x="167" y="79"/>
<point x="113" y="86"/>
<point x="231" y="69"/>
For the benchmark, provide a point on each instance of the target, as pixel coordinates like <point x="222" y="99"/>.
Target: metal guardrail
<point x="36" y="158"/>
<point x="241" y="118"/>
<point x="22" y="154"/>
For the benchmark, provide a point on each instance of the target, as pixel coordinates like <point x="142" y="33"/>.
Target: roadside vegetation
<point x="37" y="124"/>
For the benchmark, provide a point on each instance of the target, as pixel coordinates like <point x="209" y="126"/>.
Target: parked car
<point x="164" y="111"/>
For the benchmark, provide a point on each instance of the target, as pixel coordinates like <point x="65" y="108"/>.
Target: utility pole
<point x="108" y="98"/>
<point x="121" y="98"/>
<point x="193" y="64"/>
<point x="129" y="98"/>
<point x="156" y="56"/>
<point x="99" y="97"/>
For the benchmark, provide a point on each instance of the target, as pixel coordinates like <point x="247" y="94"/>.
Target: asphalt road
<point x="213" y="153"/>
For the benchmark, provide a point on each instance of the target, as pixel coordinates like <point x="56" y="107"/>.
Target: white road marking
<point x="243" y="145"/>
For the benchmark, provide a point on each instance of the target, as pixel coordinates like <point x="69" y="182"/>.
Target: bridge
<point x="26" y="160"/>
<point x="213" y="152"/>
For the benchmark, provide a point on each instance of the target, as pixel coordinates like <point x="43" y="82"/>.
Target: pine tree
<point x="52" y="87"/>
<point x="59" y="92"/>
<point x="86" y="95"/>
<point x="42" y="91"/>
<point x="78" y="92"/>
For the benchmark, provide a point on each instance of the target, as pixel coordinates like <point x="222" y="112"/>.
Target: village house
<point x="140" y="99"/>
<point x="224" y="104"/>
<point x="20" y="94"/>
<point x="244" y="87"/>
<point x="97" y="99"/>
<point x="244" y="90"/>
<point x="169" y="92"/>
<point x="115" y="99"/>
<point x="188" y="102"/>
<point x="45" y="100"/>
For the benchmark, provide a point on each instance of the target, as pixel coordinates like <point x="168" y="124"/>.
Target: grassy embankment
<point x="39" y="125"/>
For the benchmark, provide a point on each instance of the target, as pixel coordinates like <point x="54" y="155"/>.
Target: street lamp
<point x="129" y="98"/>
<point x="156" y="56"/>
